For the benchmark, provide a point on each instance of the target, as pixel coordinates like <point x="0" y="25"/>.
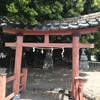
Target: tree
<point x="91" y="6"/>
<point x="21" y="10"/>
<point x="35" y="11"/>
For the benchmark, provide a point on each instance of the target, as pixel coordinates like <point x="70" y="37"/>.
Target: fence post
<point x="78" y="88"/>
<point x="24" y="78"/>
<point x="2" y="86"/>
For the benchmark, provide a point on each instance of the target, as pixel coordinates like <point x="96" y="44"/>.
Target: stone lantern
<point x="48" y="61"/>
<point x="84" y="64"/>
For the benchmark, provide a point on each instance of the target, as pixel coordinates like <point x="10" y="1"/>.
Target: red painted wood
<point x="37" y="45"/>
<point x="75" y="61"/>
<point x="10" y="96"/>
<point x="18" y="60"/>
<point x="10" y="44"/>
<point x="22" y="74"/>
<point x="50" y="45"/>
<point x="75" y="45"/>
<point x="24" y="78"/>
<point x="56" y="45"/>
<point x="78" y="88"/>
<point x="10" y="78"/>
<point x="52" y="32"/>
<point x="75" y="56"/>
<point x="46" y="38"/>
<point x="2" y="86"/>
<point x="86" y="45"/>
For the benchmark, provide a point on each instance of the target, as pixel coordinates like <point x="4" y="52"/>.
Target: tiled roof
<point x="63" y="24"/>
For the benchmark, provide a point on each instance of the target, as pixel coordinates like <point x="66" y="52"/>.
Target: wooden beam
<point x="50" y="45"/>
<point x="8" y="44"/>
<point x="86" y="45"/>
<point x="11" y="78"/>
<point x="41" y="45"/>
<point x="52" y="32"/>
<point x="10" y="96"/>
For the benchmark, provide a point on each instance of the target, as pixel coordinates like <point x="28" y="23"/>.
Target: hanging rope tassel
<point x="62" y="52"/>
<point x="33" y="49"/>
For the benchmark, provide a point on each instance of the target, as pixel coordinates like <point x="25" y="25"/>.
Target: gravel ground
<point x="92" y="82"/>
<point x="47" y="80"/>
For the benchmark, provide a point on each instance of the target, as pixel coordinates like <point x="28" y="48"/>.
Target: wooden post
<point x="2" y="86"/>
<point x="24" y="78"/>
<point x="75" y="59"/>
<point x="18" y="60"/>
<point x="46" y="38"/>
<point x="78" y="88"/>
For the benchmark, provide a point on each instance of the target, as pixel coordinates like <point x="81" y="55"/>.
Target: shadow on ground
<point x="46" y="80"/>
<point x="41" y="80"/>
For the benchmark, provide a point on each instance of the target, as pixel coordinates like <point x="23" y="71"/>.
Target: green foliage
<point x="73" y="8"/>
<point x="38" y="11"/>
<point x="34" y="11"/>
<point x="92" y="6"/>
<point x="21" y="10"/>
<point x="49" y="10"/>
<point x="11" y="8"/>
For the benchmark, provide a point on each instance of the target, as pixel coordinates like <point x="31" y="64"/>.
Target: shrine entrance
<point x="75" y="31"/>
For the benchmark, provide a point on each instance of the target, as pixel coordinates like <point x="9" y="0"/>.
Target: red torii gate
<point x="77" y="82"/>
<point x="75" y="45"/>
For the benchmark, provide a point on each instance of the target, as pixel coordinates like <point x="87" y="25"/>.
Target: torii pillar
<point x="75" y="54"/>
<point x="77" y="82"/>
<point x="75" y="61"/>
<point x="18" y="60"/>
